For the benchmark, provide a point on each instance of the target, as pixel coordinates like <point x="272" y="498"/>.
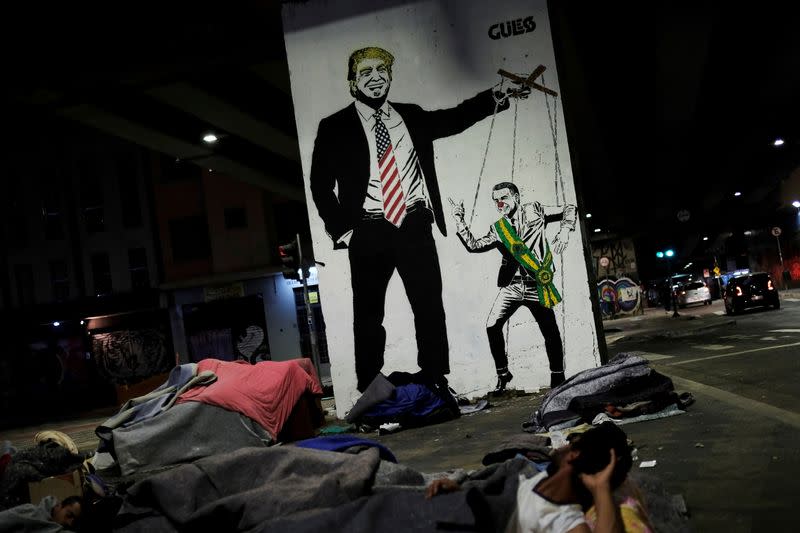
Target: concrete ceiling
<point x="669" y="106"/>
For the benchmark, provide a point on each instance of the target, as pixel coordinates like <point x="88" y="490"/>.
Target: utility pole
<point x="312" y="324"/>
<point x="776" y="231"/>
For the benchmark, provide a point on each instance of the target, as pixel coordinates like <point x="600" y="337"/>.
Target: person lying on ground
<point x="49" y="516"/>
<point x="582" y="474"/>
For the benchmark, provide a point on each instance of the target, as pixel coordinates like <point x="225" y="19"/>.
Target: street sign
<point x="604" y="262"/>
<point x="776" y="231"/>
<point x="717" y="271"/>
<point x="683" y="215"/>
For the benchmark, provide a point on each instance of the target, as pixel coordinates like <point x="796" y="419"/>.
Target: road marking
<point x="784" y="331"/>
<point x="687" y="361"/>
<point x="759" y="408"/>
<point x="791" y="299"/>
<point x="767" y="339"/>
<point x="714" y="347"/>
<point x="719" y="313"/>
<point x="655" y="356"/>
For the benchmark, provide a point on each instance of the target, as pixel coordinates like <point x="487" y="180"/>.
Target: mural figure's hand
<point x="457" y="210"/>
<point x="561" y="240"/>
<point x="520" y="91"/>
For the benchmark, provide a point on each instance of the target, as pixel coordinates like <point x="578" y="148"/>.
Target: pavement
<point x="693" y="450"/>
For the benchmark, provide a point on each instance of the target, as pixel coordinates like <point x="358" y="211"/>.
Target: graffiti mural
<point x="619" y="297"/>
<point x="526" y="276"/>
<point x="129" y="356"/>
<point x="400" y="106"/>
<point x="621" y="256"/>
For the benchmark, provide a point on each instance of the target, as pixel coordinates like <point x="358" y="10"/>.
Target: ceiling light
<point x="796" y="203"/>
<point x="56" y="323"/>
<point x="705" y="238"/>
<point x="778" y="142"/>
<point x="210" y="138"/>
<point x="588" y="215"/>
<point x="597" y="230"/>
<point x="737" y="193"/>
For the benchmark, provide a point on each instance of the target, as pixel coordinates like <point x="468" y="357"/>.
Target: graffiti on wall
<point x="129" y="356"/>
<point x="621" y="257"/>
<point x="620" y="296"/>
<point x="397" y="111"/>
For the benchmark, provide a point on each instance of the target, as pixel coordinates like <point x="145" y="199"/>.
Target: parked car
<point x="750" y="290"/>
<point x="693" y="292"/>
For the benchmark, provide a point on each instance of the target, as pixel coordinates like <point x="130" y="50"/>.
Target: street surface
<point x="735" y="455"/>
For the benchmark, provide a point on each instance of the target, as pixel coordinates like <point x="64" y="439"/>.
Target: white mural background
<point x="443" y="55"/>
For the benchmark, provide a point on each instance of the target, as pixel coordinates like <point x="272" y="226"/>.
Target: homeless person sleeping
<point x="292" y="488"/>
<point x="580" y="479"/>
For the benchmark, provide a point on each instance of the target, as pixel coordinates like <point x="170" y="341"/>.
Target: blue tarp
<point x="335" y="443"/>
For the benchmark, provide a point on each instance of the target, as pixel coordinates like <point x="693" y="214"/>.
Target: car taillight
<point x="738" y="291"/>
<point x="769" y="285"/>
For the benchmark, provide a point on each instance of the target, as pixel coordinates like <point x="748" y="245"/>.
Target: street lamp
<point x="668" y="254"/>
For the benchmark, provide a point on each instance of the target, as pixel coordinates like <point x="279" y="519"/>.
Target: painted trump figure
<point x="374" y="184"/>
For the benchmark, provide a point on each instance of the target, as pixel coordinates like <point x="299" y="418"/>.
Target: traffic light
<point x="290" y="257"/>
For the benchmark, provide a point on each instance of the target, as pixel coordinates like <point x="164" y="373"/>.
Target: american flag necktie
<point x="394" y="201"/>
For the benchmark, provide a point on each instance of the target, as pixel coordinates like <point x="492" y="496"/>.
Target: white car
<point x="693" y="292"/>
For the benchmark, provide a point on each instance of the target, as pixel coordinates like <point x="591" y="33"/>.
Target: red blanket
<point x="266" y="392"/>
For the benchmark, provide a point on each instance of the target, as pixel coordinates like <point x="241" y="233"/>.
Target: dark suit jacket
<point x="531" y="222"/>
<point x="341" y="157"/>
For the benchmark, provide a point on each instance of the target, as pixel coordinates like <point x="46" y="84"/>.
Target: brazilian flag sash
<point x="541" y="271"/>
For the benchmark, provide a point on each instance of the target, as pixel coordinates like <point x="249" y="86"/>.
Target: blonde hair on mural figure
<point x="370" y="52"/>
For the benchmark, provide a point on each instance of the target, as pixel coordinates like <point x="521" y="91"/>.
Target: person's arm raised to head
<point x="609" y="519"/>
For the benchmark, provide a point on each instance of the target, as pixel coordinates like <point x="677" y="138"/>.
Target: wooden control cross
<point x="528" y="82"/>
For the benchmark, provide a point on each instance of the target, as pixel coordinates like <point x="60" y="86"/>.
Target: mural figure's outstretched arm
<point x="485" y="243"/>
<point x="447" y="122"/>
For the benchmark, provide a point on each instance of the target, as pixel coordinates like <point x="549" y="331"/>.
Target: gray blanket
<point x="623" y="367"/>
<point x="294" y="489"/>
<point x="31" y="518"/>
<point x="184" y="433"/>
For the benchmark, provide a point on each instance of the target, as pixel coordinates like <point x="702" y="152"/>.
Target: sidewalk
<point x="658" y="323"/>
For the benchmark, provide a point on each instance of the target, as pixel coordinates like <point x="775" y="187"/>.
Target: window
<point x="137" y="265"/>
<point x="59" y="280"/>
<point x="101" y="273"/>
<point x="128" y="182"/>
<point x="17" y="221"/>
<point x="189" y="238"/>
<point x="235" y="217"/>
<point x="51" y="211"/>
<point x="23" y="275"/>
<point x="173" y="169"/>
<point x="91" y="191"/>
